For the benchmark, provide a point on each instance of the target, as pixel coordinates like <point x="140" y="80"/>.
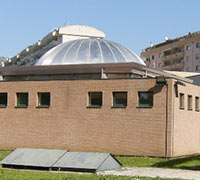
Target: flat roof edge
<point x="86" y="68"/>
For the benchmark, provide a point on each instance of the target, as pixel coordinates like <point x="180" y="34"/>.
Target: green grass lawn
<point x="24" y="175"/>
<point x="138" y="161"/>
<point x="190" y="162"/>
<point x="186" y="163"/>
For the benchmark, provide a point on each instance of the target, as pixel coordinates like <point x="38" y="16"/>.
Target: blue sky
<point x="133" y="23"/>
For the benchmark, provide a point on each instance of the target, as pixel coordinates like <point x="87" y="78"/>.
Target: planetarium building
<point x="96" y="95"/>
<point x="89" y="51"/>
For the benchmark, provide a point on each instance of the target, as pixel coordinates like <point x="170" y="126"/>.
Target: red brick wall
<point x="186" y="123"/>
<point x="69" y="124"/>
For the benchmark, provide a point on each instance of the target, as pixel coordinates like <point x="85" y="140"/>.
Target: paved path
<point x="154" y="172"/>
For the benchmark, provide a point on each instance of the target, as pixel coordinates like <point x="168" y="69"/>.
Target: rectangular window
<point x="43" y="99"/>
<point x="197" y="56"/>
<point x="181" y="101"/>
<point x="145" y="99"/>
<point x="119" y="99"/>
<point x="189" y="102"/>
<point x="197" y="45"/>
<point x="187" y="48"/>
<point x="153" y="65"/>
<point x="196" y="103"/>
<point x="152" y="57"/>
<point x="95" y="99"/>
<point x="147" y="59"/>
<point x="3" y="99"/>
<point x="197" y="68"/>
<point x="22" y="99"/>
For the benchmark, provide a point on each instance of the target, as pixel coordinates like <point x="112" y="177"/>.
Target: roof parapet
<point x="131" y="67"/>
<point x="169" y="41"/>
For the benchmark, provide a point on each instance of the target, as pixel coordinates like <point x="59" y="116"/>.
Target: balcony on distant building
<point x="171" y="55"/>
<point x="177" y="65"/>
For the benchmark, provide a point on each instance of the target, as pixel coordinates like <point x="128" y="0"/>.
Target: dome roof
<point x="88" y="51"/>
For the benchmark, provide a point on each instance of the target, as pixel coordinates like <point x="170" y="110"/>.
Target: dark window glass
<point x="44" y="99"/>
<point x="145" y="99"/>
<point x="95" y="99"/>
<point x="181" y="101"/>
<point x="189" y="102"/>
<point x="197" y="56"/>
<point x="3" y="99"/>
<point x="119" y="99"/>
<point x="196" y="103"/>
<point x="187" y="48"/>
<point x="22" y="99"/>
<point x="197" y="45"/>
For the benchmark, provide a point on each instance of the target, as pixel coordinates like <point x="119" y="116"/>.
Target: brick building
<point x="179" y="54"/>
<point x="97" y="96"/>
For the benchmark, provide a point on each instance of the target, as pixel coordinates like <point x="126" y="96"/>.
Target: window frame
<point x="18" y="104"/>
<point x="145" y="105"/>
<point x="197" y="56"/>
<point x="181" y="101"/>
<point x="6" y="104"/>
<point x="115" y="105"/>
<point x="197" y="68"/>
<point x="90" y="100"/>
<point x="189" y="103"/>
<point x="187" y="48"/>
<point x="39" y="105"/>
<point x="196" y="103"/>
<point x="197" y="44"/>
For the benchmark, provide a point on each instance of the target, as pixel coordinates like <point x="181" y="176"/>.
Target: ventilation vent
<point x="47" y="159"/>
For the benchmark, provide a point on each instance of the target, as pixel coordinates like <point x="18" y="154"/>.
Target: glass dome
<point x="88" y="51"/>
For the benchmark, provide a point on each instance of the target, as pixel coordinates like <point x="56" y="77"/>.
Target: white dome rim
<point x="49" y="58"/>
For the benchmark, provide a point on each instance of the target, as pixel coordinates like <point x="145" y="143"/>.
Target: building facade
<point x="180" y="54"/>
<point x="117" y="114"/>
<point x="32" y="53"/>
<point x="3" y="61"/>
<point x="107" y="102"/>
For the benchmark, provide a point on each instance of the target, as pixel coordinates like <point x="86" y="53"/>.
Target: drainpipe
<point x="161" y="80"/>
<point x="166" y="129"/>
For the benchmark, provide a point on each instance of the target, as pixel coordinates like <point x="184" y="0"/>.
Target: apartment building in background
<point x="179" y="54"/>
<point x="32" y="53"/>
<point x="3" y="60"/>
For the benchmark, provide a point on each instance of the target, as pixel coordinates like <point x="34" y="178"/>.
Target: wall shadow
<point x="181" y="163"/>
<point x="156" y="89"/>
